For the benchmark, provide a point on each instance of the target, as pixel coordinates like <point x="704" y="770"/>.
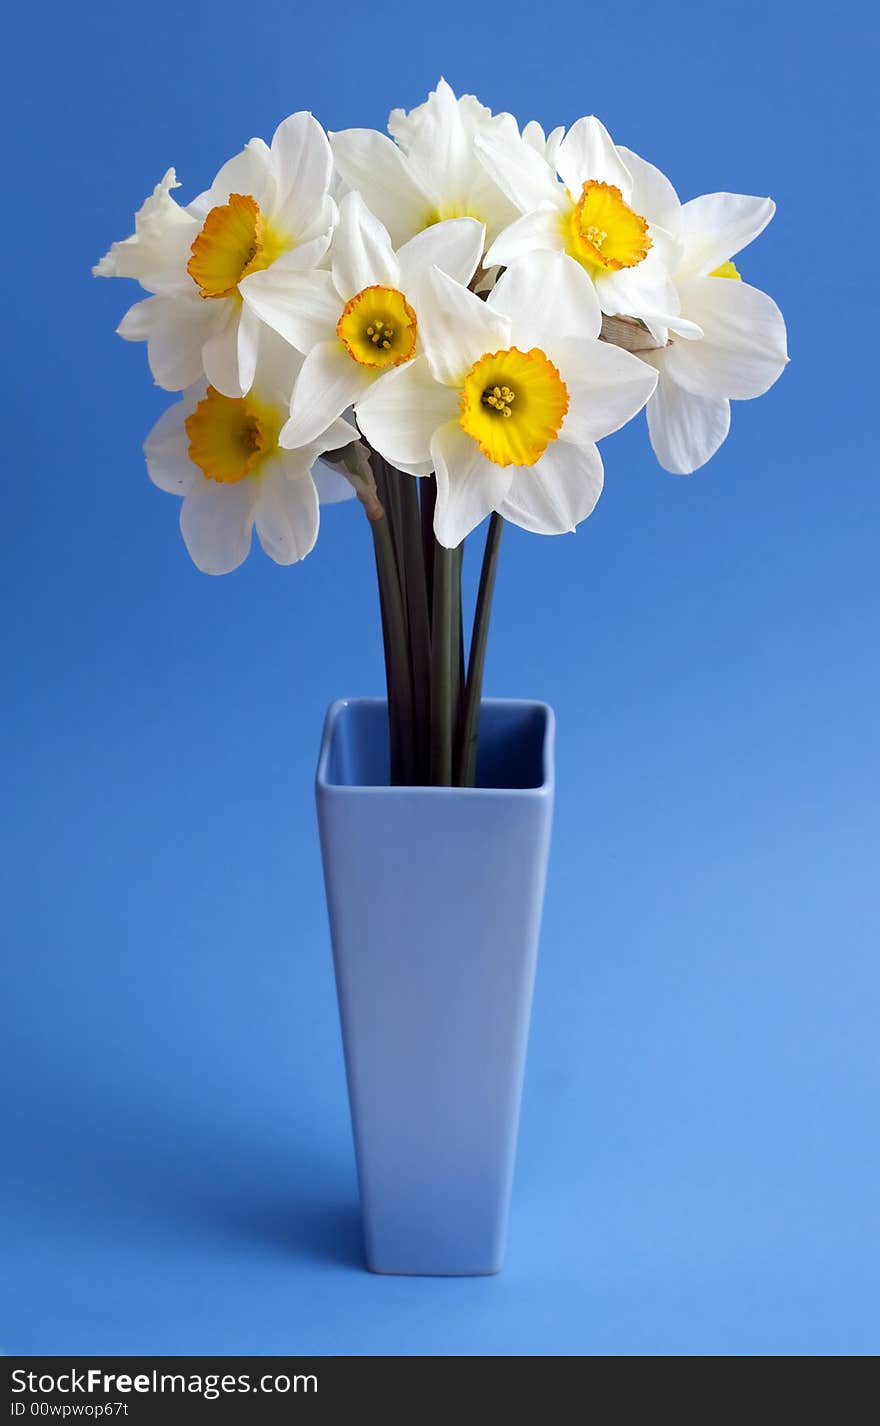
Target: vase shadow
<point x="237" y="1183"/>
<point x="296" y="1201"/>
<point x="317" y="1231"/>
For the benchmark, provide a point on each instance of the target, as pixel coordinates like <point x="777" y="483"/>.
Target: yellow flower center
<point x="727" y="269"/>
<point x="603" y="232"/>
<point x="235" y="241"/>
<point x="457" y="209"/>
<point x="513" y="404"/>
<point x="230" y="436"/>
<point x="378" y="327"/>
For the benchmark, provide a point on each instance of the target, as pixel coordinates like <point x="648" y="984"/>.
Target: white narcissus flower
<point x="598" y="210"/>
<point x="268" y="208"/>
<point x="509" y="400"/>
<point x="432" y="172"/>
<point x="740" y="346"/>
<point x="221" y="453"/>
<point x="360" y="320"/>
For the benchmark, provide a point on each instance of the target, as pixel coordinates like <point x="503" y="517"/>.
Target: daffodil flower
<point x="269" y="208"/>
<point x="509" y="399"/>
<point x="432" y="171"/>
<point x="221" y="453"/>
<point x="360" y="320"/>
<point x="736" y="346"/>
<point x="578" y="195"/>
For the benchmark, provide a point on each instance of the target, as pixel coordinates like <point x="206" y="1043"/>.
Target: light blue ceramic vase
<point x="435" y="898"/>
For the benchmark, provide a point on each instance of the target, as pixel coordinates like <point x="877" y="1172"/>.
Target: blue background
<point x="699" y="1163"/>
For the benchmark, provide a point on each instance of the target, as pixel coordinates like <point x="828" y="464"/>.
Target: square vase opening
<point x="515" y="749"/>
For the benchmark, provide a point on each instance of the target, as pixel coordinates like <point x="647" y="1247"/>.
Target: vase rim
<point x="326" y="783"/>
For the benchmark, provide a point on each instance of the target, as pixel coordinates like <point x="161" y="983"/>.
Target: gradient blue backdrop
<point x="699" y="1163"/>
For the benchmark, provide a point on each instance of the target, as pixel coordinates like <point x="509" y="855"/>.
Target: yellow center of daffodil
<point x="603" y="232"/>
<point x="513" y="404"/>
<point x="235" y="241"/>
<point x="458" y="209"/>
<point x="230" y="436"/>
<point x="727" y="269"/>
<point x="378" y="327"/>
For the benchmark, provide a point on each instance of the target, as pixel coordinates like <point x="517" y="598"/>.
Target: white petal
<point x="606" y="387"/>
<point x="402" y="411"/>
<point x="484" y="201"/>
<point x="715" y="227"/>
<point x="216" y="522"/>
<point x="645" y="291"/>
<point x="469" y="487"/>
<point x="743" y="349"/>
<point x="362" y="255"/>
<point x="249" y="328"/>
<point x="175" y="330"/>
<point x="339" y="433"/>
<point x="167" y="448"/>
<point x="547" y="297"/>
<point x="521" y="173"/>
<point x="249" y="172"/>
<point x="286" y="514"/>
<point x="438" y="140"/>
<point x="324" y="217"/>
<point x="400" y="127"/>
<point x="303" y="166"/>
<point x="440" y="143"/>
<point x="455" y="246"/>
<point x="474" y="116"/>
<point x="690" y="331"/>
<point x="371" y="163"/>
<point x="331" y="484"/>
<point x="302" y="258"/>
<point x="554" y="139"/>
<point x="457" y="328"/>
<point x="220" y="352"/>
<point x="142" y="318"/>
<point x="588" y="152"/>
<point x="278" y="366"/>
<point x="418" y="468"/>
<point x="158" y="251"/>
<point x="330" y="382"/>
<point x="685" y="430"/>
<point x="540" y="231"/>
<point x="652" y="194"/>
<point x="303" y="307"/>
<point x="553" y="496"/>
<point x="533" y="134"/>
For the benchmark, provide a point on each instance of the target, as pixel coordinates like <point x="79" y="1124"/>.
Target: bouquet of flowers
<point x="442" y="323"/>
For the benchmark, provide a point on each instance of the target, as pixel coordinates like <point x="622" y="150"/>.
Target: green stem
<point x="397" y="669"/>
<point x="442" y="707"/>
<point x="393" y="724"/>
<point x="418" y="622"/>
<point x="477" y="661"/>
<point x="457" y="659"/>
<point x="427" y="504"/>
<point x="391" y="480"/>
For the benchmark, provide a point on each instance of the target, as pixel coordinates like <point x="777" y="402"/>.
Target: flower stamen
<point x="500" y="397"/>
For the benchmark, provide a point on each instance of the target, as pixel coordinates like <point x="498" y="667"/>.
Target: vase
<point x="435" y="897"/>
